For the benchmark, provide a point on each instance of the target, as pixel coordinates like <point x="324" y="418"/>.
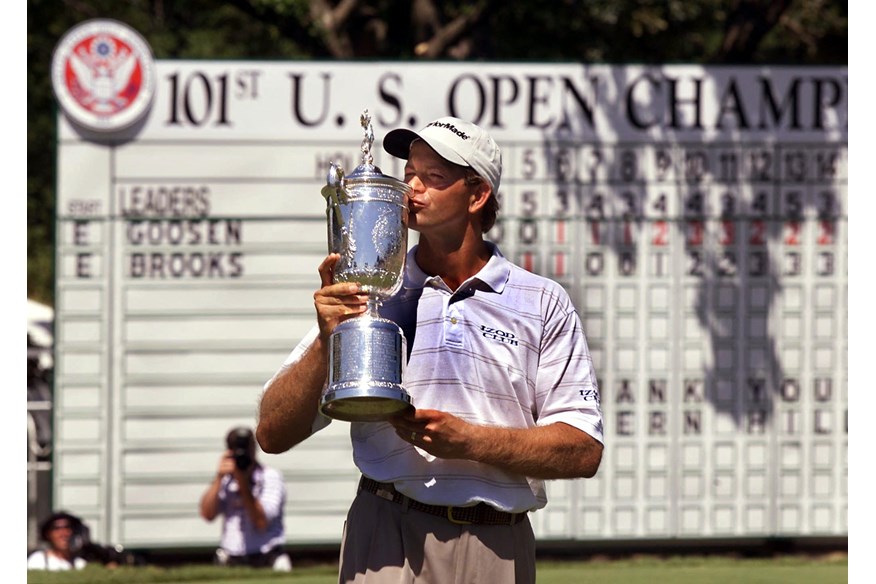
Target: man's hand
<point x="226" y="464"/>
<point x="336" y="303"/>
<point x="554" y="451"/>
<point x="438" y="433"/>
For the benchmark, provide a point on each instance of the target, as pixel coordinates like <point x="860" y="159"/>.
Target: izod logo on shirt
<point x="498" y="335"/>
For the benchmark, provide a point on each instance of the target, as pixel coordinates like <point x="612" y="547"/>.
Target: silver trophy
<point x="367" y="217"/>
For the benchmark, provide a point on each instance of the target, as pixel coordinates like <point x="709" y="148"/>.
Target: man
<point x="251" y="497"/>
<point x="61" y="551"/>
<point x="499" y="372"/>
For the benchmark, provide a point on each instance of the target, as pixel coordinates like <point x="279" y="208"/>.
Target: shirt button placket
<point x="454" y="326"/>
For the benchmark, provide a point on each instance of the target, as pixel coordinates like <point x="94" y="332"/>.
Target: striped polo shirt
<point x="239" y="534"/>
<point x="505" y="349"/>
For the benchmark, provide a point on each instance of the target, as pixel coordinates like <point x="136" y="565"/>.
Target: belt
<point x="480" y="514"/>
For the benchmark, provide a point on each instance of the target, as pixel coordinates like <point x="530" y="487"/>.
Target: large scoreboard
<point x="696" y="215"/>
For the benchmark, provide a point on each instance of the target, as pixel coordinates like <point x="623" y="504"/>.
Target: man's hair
<point x="491" y="208"/>
<point x="46" y="526"/>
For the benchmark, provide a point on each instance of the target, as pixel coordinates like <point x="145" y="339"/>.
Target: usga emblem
<point x="103" y="75"/>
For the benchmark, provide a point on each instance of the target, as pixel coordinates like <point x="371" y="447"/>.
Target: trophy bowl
<point x="367" y="219"/>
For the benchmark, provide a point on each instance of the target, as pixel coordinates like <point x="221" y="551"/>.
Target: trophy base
<point x="370" y="404"/>
<point x="366" y="363"/>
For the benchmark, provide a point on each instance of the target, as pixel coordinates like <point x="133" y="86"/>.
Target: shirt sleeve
<point x="273" y="495"/>
<point x="566" y="386"/>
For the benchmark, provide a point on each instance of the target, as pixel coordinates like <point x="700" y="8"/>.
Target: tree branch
<point x="333" y="22"/>
<point x="427" y="21"/>
<point x="748" y="22"/>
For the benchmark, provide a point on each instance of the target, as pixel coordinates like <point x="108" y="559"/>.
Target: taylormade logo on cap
<point x="448" y="126"/>
<point x="455" y="140"/>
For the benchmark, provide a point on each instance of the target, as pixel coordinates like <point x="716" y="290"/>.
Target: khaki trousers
<point x="384" y="543"/>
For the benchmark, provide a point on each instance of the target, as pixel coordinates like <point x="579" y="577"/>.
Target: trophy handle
<point x="335" y="192"/>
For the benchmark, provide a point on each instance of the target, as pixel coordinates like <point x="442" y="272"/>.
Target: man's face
<point x="59" y="534"/>
<point x="439" y="197"/>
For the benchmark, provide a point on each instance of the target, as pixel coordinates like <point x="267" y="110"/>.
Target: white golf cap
<point x="454" y="140"/>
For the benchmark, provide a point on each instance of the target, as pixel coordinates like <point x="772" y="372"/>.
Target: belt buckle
<point x="384" y="494"/>
<point x="456" y="521"/>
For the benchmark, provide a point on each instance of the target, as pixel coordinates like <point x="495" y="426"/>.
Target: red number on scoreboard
<point x="792" y="233"/>
<point x="826" y="232"/>
<point x="661" y="233"/>
<point x="758" y="230"/>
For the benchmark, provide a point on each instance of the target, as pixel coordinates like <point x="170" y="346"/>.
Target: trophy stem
<point x="374" y="306"/>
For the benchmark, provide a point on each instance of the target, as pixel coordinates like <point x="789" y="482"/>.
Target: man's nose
<point x="416" y="184"/>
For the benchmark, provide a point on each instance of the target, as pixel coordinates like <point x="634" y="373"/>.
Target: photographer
<point x="251" y="497"/>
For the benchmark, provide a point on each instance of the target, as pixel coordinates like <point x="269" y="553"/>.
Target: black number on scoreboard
<point x="594" y="263"/>
<point x="596" y="207"/>
<point x="628" y="166"/>
<point x="827" y="205"/>
<point x="761" y="165"/>
<point x="529" y="203"/>
<point x="760" y="204"/>
<point x="757" y="264"/>
<point x="826" y="164"/>
<point x="664" y="164"/>
<point x="627" y="263"/>
<point x="728" y="205"/>
<point x="528" y="231"/>
<point x="695" y="204"/>
<point x="564" y="167"/>
<point x="794" y="205"/>
<point x="696" y="166"/>
<point x="196" y="100"/>
<point x="729" y="166"/>
<point x="695" y="263"/>
<point x="529" y="164"/>
<point x="631" y="207"/>
<point x="727" y="264"/>
<point x="795" y="165"/>
<point x="660" y="205"/>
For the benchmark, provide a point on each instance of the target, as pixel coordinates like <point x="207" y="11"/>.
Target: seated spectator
<point x="60" y="551"/>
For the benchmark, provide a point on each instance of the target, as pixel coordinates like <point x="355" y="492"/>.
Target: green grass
<point x="644" y="570"/>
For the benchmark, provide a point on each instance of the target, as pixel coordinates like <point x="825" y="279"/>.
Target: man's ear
<point x="479" y="196"/>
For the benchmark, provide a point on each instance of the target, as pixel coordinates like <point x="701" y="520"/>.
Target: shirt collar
<point x="495" y="274"/>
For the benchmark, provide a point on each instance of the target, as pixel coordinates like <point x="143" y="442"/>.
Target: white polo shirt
<point x="505" y="349"/>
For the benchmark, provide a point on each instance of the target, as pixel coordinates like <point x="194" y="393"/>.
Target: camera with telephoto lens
<point x="83" y="547"/>
<point x="239" y="442"/>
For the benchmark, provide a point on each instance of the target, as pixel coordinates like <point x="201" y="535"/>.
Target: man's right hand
<point x="336" y="303"/>
<point x="226" y="464"/>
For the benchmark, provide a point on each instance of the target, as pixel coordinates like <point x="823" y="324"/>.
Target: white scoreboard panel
<point x="697" y="216"/>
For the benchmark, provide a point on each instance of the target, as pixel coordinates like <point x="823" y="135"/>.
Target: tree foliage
<point x="594" y="31"/>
